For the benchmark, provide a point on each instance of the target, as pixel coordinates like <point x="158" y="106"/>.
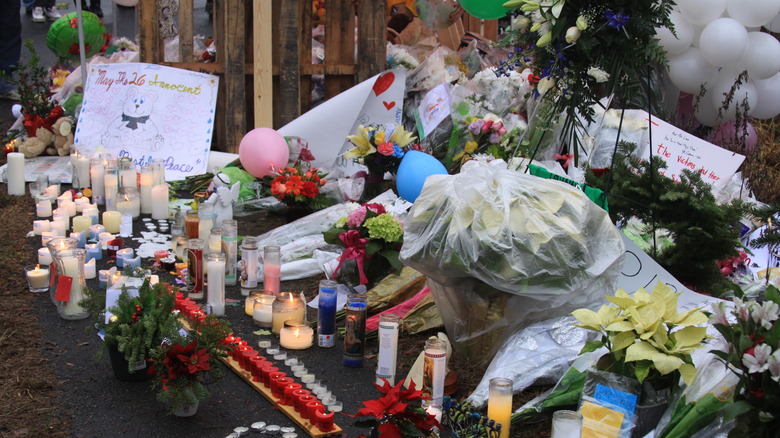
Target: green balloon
<point x="63" y="35"/>
<point x="485" y="9"/>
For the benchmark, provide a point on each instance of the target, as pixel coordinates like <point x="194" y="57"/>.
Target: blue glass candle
<point x="326" y="315"/>
<point x="355" y="330"/>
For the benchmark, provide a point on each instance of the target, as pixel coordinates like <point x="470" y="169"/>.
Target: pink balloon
<point x="730" y="134"/>
<point x="263" y="151"/>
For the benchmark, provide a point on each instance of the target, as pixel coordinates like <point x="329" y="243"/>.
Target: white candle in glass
<point x="111" y="220"/>
<point x="38" y="277"/>
<point x="296" y="335"/>
<point x="40" y="226"/>
<point x="90" y="271"/>
<point x="15" y="173"/>
<point x="110" y="187"/>
<point x="216" y="284"/>
<point x="147" y="181"/>
<point x="44" y="256"/>
<point x="43" y="208"/>
<point x="160" y="202"/>
<point x="72" y="268"/>
<point x="97" y="173"/>
<point x="566" y="424"/>
<point x="262" y="313"/>
<point x="82" y="167"/>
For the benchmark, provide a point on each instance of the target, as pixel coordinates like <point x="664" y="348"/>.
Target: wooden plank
<point x="148" y="31"/>
<point x="371" y="58"/>
<point x="186" y="31"/>
<point x="235" y="86"/>
<point x="304" y="52"/>
<point x="490" y="29"/>
<point x="262" y="41"/>
<point x="289" y="105"/>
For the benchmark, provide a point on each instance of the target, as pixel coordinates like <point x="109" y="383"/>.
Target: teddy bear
<point x="34" y="146"/>
<point x="63" y="135"/>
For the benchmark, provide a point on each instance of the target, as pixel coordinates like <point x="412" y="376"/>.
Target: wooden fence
<point x="264" y="55"/>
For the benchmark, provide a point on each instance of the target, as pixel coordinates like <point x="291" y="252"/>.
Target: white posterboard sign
<point x="681" y="150"/>
<point x="148" y="111"/>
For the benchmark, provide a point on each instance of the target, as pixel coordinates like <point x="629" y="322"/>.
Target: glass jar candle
<point x="355" y="330"/>
<point x="195" y="269"/>
<point x="288" y="305"/>
<point x="272" y="269"/>
<point x="230" y="241"/>
<point x="388" y="348"/>
<point x="296" y="335"/>
<point x="110" y="186"/>
<point x="248" y="264"/>
<point x="128" y="175"/>
<point x="147" y="183"/>
<point x="500" y="403"/>
<point x="434" y="371"/>
<point x="191" y="224"/>
<point x="216" y="283"/>
<point x="262" y="310"/>
<point x="128" y="202"/>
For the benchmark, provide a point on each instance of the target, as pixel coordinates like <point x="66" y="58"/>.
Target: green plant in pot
<point x="648" y="339"/>
<point x="135" y="326"/>
<point x="182" y="361"/>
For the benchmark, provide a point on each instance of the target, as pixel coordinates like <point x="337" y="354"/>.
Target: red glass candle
<point x="288" y="398"/>
<point x="298" y="398"/>
<point x="277" y="386"/>
<point x="238" y="351"/>
<point x="311" y="409"/>
<point x="273" y="377"/>
<point x="266" y="371"/>
<point x="255" y="365"/>
<point x="237" y="348"/>
<point x="246" y="355"/>
<point x="323" y="421"/>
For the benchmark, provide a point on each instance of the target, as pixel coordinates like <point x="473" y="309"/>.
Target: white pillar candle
<point x="388" y="348"/>
<point x="500" y="403"/>
<point x="160" y="202"/>
<point x="111" y="220"/>
<point x="53" y="190"/>
<point x="81" y="223"/>
<point x="43" y="208"/>
<point x="97" y="173"/>
<point x="90" y="270"/>
<point x="92" y="212"/>
<point x="40" y="226"/>
<point x="15" y="173"/>
<point x="111" y="187"/>
<point x="566" y="424"/>
<point x="69" y="206"/>
<point x="59" y="227"/>
<point x="104" y="239"/>
<point x="216" y="284"/>
<point x="44" y="256"/>
<point x="296" y="335"/>
<point x="147" y="183"/>
<point x="95" y="230"/>
<point x="67" y="196"/>
<point x="61" y="215"/>
<point x="46" y="236"/>
<point x="81" y="203"/>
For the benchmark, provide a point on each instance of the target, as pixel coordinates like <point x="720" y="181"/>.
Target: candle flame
<point x="37" y="266"/>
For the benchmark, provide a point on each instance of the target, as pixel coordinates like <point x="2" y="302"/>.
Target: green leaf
<point x="332" y="236"/>
<point x="772" y="293"/>
<point x="373" y="246"/>
<point x="591" y="346"/>
<point x="735" y="410"/>
<point x="408" y="429"/>
<point x="642" y="369"/>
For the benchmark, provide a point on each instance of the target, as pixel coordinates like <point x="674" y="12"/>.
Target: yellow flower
<point x="471" y="146"/>
<point x="401" y="137"/>
<point x="362" y="147"/>
<point x="379" y="137"/>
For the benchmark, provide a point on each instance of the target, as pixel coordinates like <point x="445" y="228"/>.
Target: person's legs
<point x="10" y="40"/>
<point x="45" y="9"/>
<point x="94" y="6"/>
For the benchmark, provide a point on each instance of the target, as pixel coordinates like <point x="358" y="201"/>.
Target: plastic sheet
<point x="504" y="250"/>
<point x="607" y="405"/>
<point x="540" y="354"/>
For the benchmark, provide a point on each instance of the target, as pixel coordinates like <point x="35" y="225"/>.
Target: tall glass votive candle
<point x="248" y="265"/>
<point x="500" y="403"/>
<point x="272" y="269"/>
<point x="296" y="335"/>
<point x="147" y="183"/>
<point x="97" y="173"/>
<point x="288" y="305"/>
<point x="436" y="369"/>
<point x="262" y="310"/>
<point x="191" y="224"/>
<point x="128" y="201"/>
<point x="195" y="268"/>
<point x="230" y="240"/>
<point x="388" y="348"/>
<point x="566" y="424"/>
<point x="355" y="330"/>
<point x="216" y="283"/>
<point x="110" y="186"/>
<point x="326" y="314"/>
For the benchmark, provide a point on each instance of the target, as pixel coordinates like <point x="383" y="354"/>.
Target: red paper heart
<point x="389" y="105"/>
<point x="383" y="83"/>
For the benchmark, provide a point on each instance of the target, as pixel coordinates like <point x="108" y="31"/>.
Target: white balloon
<point x="703" y="110"/>
<point x="690" y="70"/>
<point x="16" y="110"/>
<point x="675" y="45"/>
<point x="762" y="56"/>
<point x="697" y="35"/>
<point x="753" y="12"/>
<point x="768" y="91"/>
<point x="744" y="92"/>
<point x="774" y="25"/>
<point x="702" y="12"/>
<point x="723" y="41"/>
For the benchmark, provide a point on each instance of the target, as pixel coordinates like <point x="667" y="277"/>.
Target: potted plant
<point x="397" y="413"/>
<point x="180" y="363"/>
<point x="649" y="340"/>
<point x="298" y="187"/>
<point x="372" y="238"/>
<point x="134" y="327"/>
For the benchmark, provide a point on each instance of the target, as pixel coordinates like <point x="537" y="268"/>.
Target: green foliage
<point x="33" y="84"/>
<point x="703" y="230"/>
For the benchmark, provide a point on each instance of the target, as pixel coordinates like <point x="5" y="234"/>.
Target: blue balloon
<point x="415" y="167"/>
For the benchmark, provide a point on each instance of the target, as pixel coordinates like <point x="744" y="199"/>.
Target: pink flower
<point x="385" y="149"/>
<point x="356" y="218"/>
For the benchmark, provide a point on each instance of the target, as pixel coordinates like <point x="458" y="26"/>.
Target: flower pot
<point x="295" y="212"/>
<point x="649" y="411"/>
<point x="187" y="410"/>
<point x="120" y="366"/>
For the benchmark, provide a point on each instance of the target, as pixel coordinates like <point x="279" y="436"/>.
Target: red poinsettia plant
<point x="299" y="185"/>
<point x="397" y="413"/>
<point x="182" y="360"/>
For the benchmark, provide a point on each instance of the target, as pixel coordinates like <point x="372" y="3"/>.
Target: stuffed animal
<point x="63" y="135"/>
<point x="34" y="146"/>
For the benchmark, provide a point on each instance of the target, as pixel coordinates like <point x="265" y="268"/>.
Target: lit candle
<point x="94" y="251"/>
<point x="37" y="278"/>
<point x="296" y="335"/>
<point x="147" y="183"/>
<point x="500" y="403"/>
<point x="160" y="202"/>
<point x="288" y="305"/>
<point x="95" y="230"/>
<point x="40" y="226"/>
<point x="97" y="173"/>
<point x="262" y="311"/>
<point x="69" y="206"/>
<point x="216" y="283"/>
<point x="81" y="237"/>
<point x="46" y="236"/>
<point x="43" y="208"/>
<point x="89" y="270"/>
<point x="129" y="202"/>
<point x="111" y="220"/>
<point x="81" y="223"/>
<point x="15" y="173"/>
<point x="388" y="348"/>
<point x="122" y="255"/>
<point x="72" y="267"/>
<point x="44" y="256"/>
<point x="104" y="239"/>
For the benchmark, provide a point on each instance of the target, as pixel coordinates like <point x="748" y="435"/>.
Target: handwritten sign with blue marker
<point x="147" y="112"/>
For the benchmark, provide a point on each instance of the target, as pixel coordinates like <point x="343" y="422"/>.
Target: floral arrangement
<point x="646" y="336"/>
<point x="484" y="135"/>
<point x="299" y="186"/>
<point x="581" y="51"/>
<point x="752" y="335"/>
<point x="380" y="148"/>
<point x="181" y="361"/>
<point x="399" y="57"/>
<point x="397" y="413"/>
<point x="371" y="237"/>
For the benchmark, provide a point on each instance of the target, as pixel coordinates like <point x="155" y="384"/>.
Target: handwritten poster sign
<point x="682" y="150"/>
<point x="147" y="112"/>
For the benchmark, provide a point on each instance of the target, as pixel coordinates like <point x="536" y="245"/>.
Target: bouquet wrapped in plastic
<point x="503" y="250"/>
